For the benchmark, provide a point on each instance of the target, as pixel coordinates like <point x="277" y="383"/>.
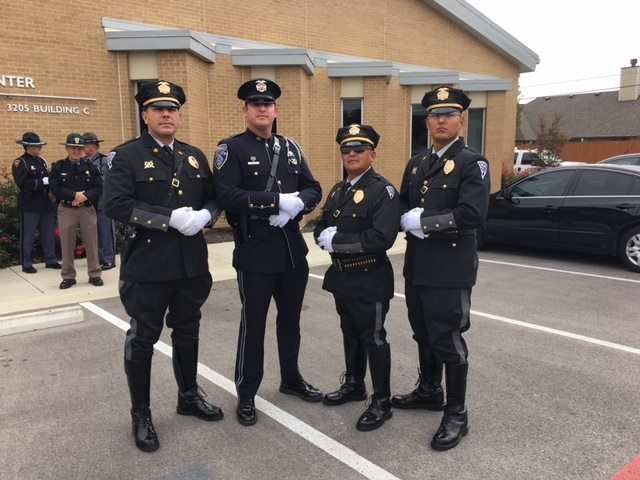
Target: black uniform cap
<point x="355" y="134"/>
<point x="74" y="140"/>
<point x="445" y="100"/>
<point x="161" y="94"/>
<point x="90" y="137"/>
<point x="30" y="139"/>
<point x="259" y="90"/>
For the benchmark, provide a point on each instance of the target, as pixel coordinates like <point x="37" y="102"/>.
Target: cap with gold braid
<point x="443" y="100"/>
<point x="355" y="134"/>
<point x="161" y="94"/>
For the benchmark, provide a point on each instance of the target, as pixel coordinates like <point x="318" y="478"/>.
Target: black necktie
<point x="167" y="149"/>
<point x="433" y="160"/>
<point x="343" y="191"/>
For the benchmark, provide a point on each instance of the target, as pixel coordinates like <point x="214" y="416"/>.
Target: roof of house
<point x="587" y="115"/>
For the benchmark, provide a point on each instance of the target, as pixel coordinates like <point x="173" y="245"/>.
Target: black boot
<point x="139" y="380"/>
<point x="379" y="410"/>
<point x="190" y="395"/>
<point x="353" y="388"/>
<point x="454" y="424"/>
<point x="428" y="394"/>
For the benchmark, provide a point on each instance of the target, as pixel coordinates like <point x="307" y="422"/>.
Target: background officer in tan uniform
<point x="359" y="223"/>
<point x="77" y="185"/>
<point x="444" y="197"/>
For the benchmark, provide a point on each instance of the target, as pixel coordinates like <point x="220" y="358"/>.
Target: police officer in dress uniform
<point x="162" y="189"/>
<point x="359" y="223"/>
<point x="444" y="198"/>
<point x="31" y="175"/>
<point x="264" y="184"/>
<point x="106" y="226"/>
<point x="77" y="185"/>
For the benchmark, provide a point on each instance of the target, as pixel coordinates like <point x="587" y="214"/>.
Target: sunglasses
<point x="358" y="149"/>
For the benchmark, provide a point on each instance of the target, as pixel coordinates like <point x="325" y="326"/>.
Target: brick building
<point x="68" y="68"/>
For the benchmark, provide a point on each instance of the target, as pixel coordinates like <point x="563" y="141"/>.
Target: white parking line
<point x="533" y="326"/>
<point x="557" y="270"/>
<point x="323" y="442"/>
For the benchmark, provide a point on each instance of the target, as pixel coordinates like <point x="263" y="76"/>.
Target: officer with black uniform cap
<point x="359" y="223"/>
<point x="31" y="175"/>
<point x="77" y="185"/>
<point x="264" y="184"/>
<point x="444" y="198"/>
<point x="162" y="189"/>
<point x="106" y="226"/>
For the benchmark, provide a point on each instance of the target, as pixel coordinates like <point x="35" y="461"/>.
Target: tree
<point x="551" y="140"/>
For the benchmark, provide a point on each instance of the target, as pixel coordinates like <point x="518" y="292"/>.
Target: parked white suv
<point x="524" y="160"/>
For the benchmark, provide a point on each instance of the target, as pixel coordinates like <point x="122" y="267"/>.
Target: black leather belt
<point x="66" y="203"/>
<point x="353" y="264"/>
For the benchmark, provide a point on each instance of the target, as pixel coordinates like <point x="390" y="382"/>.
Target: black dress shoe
<point x="378" y="412"/>
<point x="425" y="396"/>
<point x="352" y="390"/>
<point x="246" y="412"/>
<point x="67" y="283"/>
<point x="303" y="390"/>
<point x="453" y="427"/>
<point x="55" y="266"/>
<point x="192" y="402"/>
<point x="144" y="433"/>
<point x="30" y="269"/>
<point x="107" y="266"/>
<point x="96" y="281"/>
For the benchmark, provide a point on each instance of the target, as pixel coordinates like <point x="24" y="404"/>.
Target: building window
<point x="351" y="111"/>
<point x="419" y="134"/>
<point x="475" y="129"/>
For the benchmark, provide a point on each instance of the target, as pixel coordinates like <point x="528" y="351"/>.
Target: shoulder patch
<point x="17" y="162"/>
<point x="110" y="159"/>
<point x="484" y="168"/>
<point x="391" y="191"/>
<point x="222" y="153"/>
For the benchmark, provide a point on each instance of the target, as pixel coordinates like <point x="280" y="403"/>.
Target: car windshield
<point x="548" y="184"/>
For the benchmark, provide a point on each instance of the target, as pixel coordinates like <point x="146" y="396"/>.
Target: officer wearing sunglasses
<point x="359" y="223"/>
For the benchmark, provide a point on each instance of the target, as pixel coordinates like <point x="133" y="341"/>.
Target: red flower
<point x="56" y="233"/>
<point x="80" y="251"/>
<point x="5" y="239"/>
<point x="2" y="198"/>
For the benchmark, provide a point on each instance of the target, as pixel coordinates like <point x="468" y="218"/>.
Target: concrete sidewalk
<point x="22" y="292"/>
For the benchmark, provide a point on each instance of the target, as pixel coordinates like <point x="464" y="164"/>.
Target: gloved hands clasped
<point x="189" y="221"/>
<point x="410" y="222"/>
<point x="290" y="207"/>
<point x="325" y="238"/>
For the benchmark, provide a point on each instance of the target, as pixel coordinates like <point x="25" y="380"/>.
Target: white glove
<point x="418" y="233"/>
<point x="291" y="204"/>
<point x="411" y="219"/>
<point x="325" y="238"/>
<point x="197" y="220"/>
<point x="279" y="220"/>
<point x="179" y="217"/>
<point x="45" y="180"/>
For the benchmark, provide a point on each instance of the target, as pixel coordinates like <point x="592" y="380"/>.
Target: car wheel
<point x="629" y="249"/>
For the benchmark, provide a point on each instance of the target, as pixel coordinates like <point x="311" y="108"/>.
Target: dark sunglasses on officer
<point x="359" y="149"/>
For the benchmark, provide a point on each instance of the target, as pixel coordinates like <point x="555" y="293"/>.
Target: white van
<point x="524" y="160"/>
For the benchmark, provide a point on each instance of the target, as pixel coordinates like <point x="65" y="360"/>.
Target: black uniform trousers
<point x="256" y="291"/>
<point x="438" y="317"/>
<point x="44" y="224"/>
<point x="147" y="302"/>
<point x="363" y="320"/>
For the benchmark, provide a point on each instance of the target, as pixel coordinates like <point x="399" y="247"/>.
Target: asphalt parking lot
<point x="554" y="389"/>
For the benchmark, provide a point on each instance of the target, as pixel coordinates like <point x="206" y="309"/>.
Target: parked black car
<point x="582" y="208"/>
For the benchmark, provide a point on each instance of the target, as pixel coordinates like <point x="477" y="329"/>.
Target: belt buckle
<point x="175" y="183"/>
<point x="336" y="264"/>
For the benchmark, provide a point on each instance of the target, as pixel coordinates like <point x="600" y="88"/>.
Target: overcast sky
<point x="581" y="44"/>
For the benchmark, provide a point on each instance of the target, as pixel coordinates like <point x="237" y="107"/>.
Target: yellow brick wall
<point x="69" y="58"/>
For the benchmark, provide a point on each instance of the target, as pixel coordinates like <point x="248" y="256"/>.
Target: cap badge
<point x="76" y="140"/>
<point x="358" y="196"/>
<point x="163" y="87"/>
<point x="193" y="162"/>
<point x="149" y="164"/>
<point x="354" y="130"/>
<point x="261" y="86"/>
<point x="443" y="93"/>
<point x="449" y="166"/>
